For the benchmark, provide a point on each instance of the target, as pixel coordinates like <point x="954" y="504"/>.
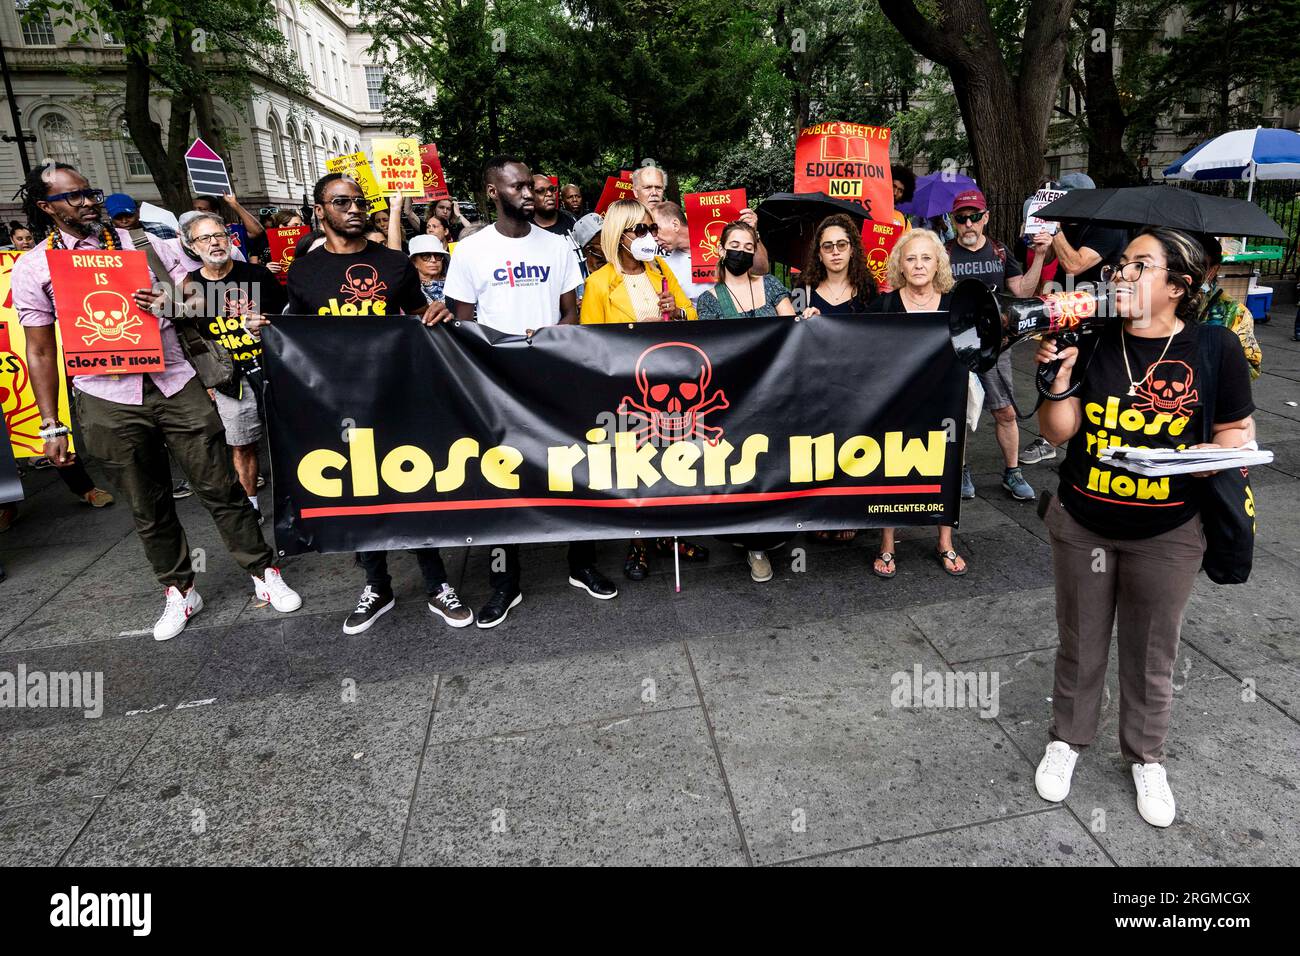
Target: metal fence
<point x="1280" y="198"/>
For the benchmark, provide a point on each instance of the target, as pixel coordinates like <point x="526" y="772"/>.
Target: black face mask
<point x="737" y="262"/>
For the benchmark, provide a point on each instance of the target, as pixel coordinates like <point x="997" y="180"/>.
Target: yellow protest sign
<point x="357" y="166"/>
<point x="17" y="399"/>
<point x="397" y="163"/>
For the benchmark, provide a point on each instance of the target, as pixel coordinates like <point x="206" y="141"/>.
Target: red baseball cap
<point x="970" y="199"/>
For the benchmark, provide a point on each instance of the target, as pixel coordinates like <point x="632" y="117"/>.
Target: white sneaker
<point x="1052" y="778"/>
<point x="180" y="608"/>
<point x="760" y="568"/>
<point x="272" y="589"/>
<point x="1155" y="800"/>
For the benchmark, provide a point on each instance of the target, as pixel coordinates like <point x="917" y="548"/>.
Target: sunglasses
<point x="343" y="202"/>
<point x="839" y="245"/>
<point x="640" y="229"/>
<point x="80" y="197"/>
<point x="964" y="217"/>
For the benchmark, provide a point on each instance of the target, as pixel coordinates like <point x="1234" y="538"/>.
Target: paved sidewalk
<point x="733" y="723"/>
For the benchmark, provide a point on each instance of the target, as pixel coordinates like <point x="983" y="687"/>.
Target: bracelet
<point x="47" y="434"/>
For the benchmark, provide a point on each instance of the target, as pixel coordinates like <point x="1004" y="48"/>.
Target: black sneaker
<point x="594" y="583"/>
<point x="370" y="606"/>
<point x="447" y="606"/>
<point x="181" y="490"/>
<point x="498" y="606"/>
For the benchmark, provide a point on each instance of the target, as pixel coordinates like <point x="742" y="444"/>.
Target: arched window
<point x="295" y="152"/>
<point x="132" y="160"/>
<point x="277" y="145"/>
<point x="58" y="141"/>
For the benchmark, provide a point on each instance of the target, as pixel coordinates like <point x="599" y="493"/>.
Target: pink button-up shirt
<point x="33" y="298"/>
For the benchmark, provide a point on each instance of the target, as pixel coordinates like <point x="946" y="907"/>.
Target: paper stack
<point x="1157" y="462"/>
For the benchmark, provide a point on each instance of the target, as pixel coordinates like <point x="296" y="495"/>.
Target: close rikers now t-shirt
<point x="1166" y="412"/>
<point x="375" y="281"/>
<point x="246" y="289"/>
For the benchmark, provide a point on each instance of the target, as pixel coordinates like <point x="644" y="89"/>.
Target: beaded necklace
<point x="107" y="237"/>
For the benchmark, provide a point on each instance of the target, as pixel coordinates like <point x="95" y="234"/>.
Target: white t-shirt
<point x="680" y="263"/>
<point x="516" y="283"/>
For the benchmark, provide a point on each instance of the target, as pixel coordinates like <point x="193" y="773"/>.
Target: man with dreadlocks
<point x="129" y="422"/>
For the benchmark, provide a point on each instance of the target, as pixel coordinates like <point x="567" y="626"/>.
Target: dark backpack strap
<point x="1209" y="353"/>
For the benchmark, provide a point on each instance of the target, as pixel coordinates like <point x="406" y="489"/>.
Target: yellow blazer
<point x="606" y="299"/>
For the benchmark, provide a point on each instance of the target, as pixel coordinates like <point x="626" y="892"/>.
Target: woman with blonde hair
<point x="634" y="284"/>
<point x="921" y="276"/>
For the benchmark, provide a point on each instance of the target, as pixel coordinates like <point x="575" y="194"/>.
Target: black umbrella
<point x="1163" y="206"/>
<point x="787" y="221"/>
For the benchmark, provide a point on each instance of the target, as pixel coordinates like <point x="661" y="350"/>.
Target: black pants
<point x="375" y="564"/>
<point x="582" y="554"/>
<point x="76" y="478"/>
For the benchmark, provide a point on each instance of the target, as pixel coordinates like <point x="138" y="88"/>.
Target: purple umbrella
<point x="935" y="193"/>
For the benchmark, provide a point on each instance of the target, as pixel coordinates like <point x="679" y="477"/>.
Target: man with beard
<point x="976" y="256"/>
<point x="350" y="275"/>
<point x="548" y="215"/>
<point x="130" y="422"/>
<point x="519" y="279"/>
<point x="219" y="295"/>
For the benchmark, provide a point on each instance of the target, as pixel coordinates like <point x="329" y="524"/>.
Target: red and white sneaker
<point x="272" y="589"/>
<point x="180" y="608"/>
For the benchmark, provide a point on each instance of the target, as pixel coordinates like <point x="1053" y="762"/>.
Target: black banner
<point x="387" y="434"/>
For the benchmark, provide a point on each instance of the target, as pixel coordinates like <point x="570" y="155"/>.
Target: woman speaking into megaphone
<point x="1126" y="548"/>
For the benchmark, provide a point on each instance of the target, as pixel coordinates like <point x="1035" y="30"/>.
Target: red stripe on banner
<point x="486" y="503"/>
<point x="1138" y="504"/>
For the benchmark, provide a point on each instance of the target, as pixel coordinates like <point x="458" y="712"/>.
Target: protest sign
<point x="1034" y="225"/>
<point x="22" y="418"/>
<point x="104" y="332"/>
<point x="281" y="244"/>
<point x="238" y="237"/>
<point x="878" y="241"/>
<point x="706" y="216"/>
<point x="616" y="187"/>
<point x="847" y="161"/>
<point x="357" y="167"/>
<point x="207" y="170"/>
<point x="648" y="429"/>
<point x="397" y="166"/>
<point x="435" y="183"/>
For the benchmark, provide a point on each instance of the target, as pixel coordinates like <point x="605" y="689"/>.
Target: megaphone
<point x="983" y="324"/>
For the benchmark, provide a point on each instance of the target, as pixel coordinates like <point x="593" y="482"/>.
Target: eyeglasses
<point x="210" y="238"/>
<point x="839" y="245"/>
<point x="965" y="217"/>
<point x="268" y="210"/>
<point x="547" y="190"/>
<point x="1127" y="271"/>
<point x="641" y="228"/>
<point x="343" y="202"/>
<point x="80" y="197"/>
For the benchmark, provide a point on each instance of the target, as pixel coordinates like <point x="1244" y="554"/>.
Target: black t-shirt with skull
<point x="375" y="281"/>
<point x="1165" y="412"/>
<point x="246" y="289"/>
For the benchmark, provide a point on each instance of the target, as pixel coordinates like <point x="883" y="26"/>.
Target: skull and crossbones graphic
<point x="673" y="378"/>
<point x="362" y="282"/>
<point x="108" y="318"/>
<point x="1167" y="388"/>
<point x="237" y="302"/>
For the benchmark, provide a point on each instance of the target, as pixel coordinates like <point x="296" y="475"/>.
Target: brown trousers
<point x="131" y="443"/>
<point x="1140" y="588"/>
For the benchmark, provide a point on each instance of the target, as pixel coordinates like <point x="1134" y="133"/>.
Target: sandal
<point x="887" y="559"/>
<point x="945" y="556"/>
<point x="689" y="550"/>
<point x="636" y="566"/>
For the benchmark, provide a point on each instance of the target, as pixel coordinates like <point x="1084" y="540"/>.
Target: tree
<point x="1005" y="94"/>
<point x="194" y="55"/>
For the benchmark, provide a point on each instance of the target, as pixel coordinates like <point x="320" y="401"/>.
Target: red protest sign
<point x="103" y="331"/>
<point x="435" y="183"/>
<point x="847" y="161"/>
<point x="878" y="241"/>
<point x="4" y="336"/>
<point x="616" y="187"/>
<point x="706" y="216"/>
<point x="281" y="244"/>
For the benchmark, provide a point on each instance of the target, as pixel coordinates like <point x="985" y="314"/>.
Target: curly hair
<point x="35" y="188"/>
<point x="814" y="273"/>
<point x="943" y="280"/>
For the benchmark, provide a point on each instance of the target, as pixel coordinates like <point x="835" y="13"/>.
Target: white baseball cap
<point x="424" y="243"/>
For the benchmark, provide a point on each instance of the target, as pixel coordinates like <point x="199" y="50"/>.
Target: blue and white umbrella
<point x="1243" y="154"/>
